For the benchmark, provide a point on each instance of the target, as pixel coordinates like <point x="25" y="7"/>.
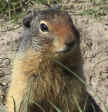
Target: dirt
<point x="94" y="49"/>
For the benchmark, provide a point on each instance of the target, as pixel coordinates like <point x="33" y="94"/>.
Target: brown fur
<point x="49" y="83"/>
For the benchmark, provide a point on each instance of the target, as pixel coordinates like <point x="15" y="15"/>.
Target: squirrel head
<point x="52" y="31"/>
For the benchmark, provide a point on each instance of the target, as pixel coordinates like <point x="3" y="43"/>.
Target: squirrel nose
<point x="70" y="45"/>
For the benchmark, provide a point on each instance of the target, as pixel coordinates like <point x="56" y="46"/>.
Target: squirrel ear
<point x="28" y="18"/>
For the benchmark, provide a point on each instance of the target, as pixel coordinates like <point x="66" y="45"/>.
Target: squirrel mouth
<point x="66" y="49"/>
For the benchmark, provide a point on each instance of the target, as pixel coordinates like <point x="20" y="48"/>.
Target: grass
<point x="14" y="10"/>
<point x="14" y="104"/>
<point x="92" y="8"/>
<point x="55" y="107"/>
<point x="78" y="106"/>
<point x="75" y="99"/>
<point x="83" y="82"/>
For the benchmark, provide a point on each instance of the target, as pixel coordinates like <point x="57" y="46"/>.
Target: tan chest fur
<point x="46" y="82"/>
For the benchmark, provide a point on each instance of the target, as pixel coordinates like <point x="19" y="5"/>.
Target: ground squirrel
<point x="48" y="35"/>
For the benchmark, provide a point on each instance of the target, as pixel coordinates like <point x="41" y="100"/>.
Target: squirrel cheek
<point x="58" y="46"/>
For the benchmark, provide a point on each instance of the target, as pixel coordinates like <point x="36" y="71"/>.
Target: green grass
<point x="55" y="107"/>
<point x="15" y="10"/>
<point x="75" y="99"/>
<point x="14" y="104"/>
<point x="83" y="82"/>
<point x="15" y="7"/>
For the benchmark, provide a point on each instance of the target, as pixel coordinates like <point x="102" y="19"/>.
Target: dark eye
<point x="43" y="27"/>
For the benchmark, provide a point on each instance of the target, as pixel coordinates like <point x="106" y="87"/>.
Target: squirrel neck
<point x="35" y="61"/>
<point x="41" y="63"/>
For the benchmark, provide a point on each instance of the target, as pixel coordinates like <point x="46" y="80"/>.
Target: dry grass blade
<point x="83" y="82"/>
<point x="55" y="107"/>
<point x="14" y="104"/>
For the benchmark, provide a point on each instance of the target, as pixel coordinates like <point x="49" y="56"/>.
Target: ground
<point x="94" y="49"/>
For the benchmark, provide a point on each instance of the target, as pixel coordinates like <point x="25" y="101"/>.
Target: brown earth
<point x="94" y="48"/>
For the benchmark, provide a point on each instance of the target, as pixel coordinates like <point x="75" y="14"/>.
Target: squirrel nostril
<point x="70" y="44"/>
<point x="68" y="47"/>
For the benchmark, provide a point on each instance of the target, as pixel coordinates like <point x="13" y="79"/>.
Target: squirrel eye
<point x="43" y="27"/>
